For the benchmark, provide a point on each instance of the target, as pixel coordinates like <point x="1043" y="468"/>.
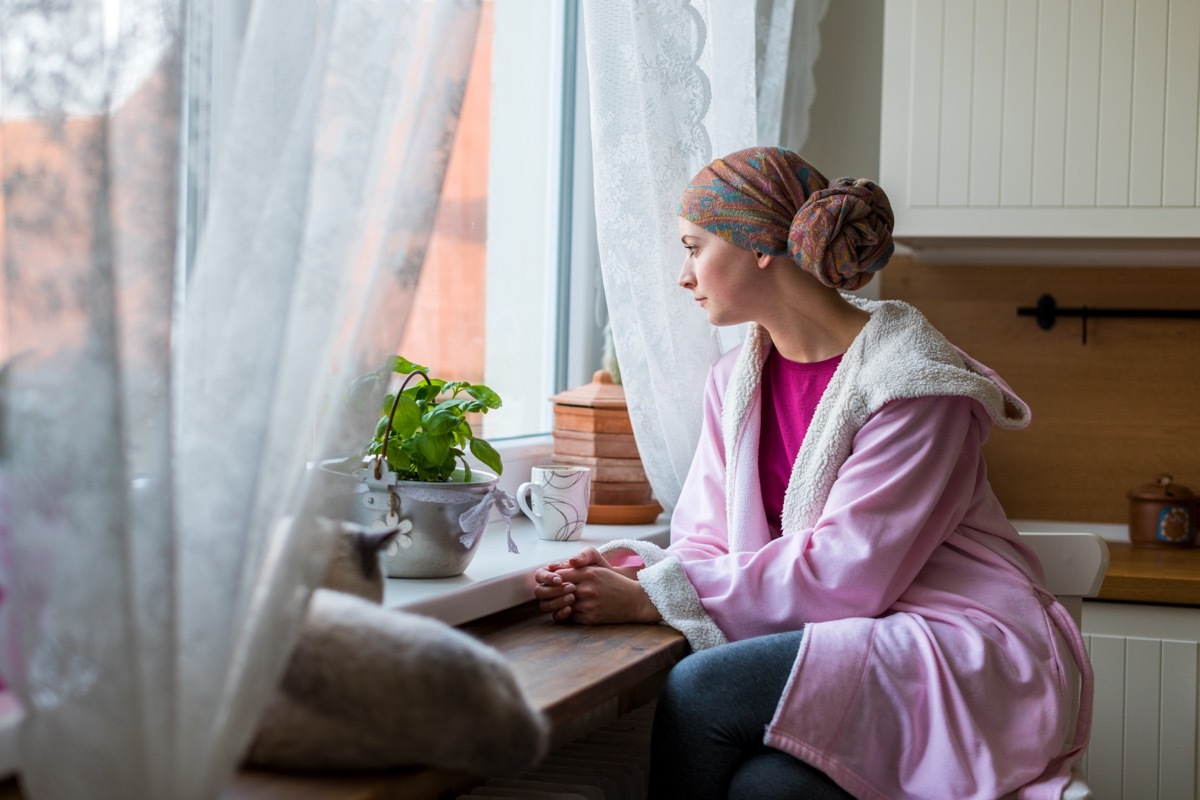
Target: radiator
<point x="609" y="763"/>
<point x="1144" y="742"/>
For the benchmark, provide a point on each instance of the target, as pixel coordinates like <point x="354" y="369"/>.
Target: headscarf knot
<point x="843" y="234"/>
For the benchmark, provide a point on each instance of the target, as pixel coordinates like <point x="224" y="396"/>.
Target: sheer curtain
<point x="673" y="85"/>
<point x="157" y="419"/>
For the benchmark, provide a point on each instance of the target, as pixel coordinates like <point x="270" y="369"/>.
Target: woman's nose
<point x="686" y="278"/>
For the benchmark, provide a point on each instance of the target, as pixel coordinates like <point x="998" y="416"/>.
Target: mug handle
<point x="523" y="492"/>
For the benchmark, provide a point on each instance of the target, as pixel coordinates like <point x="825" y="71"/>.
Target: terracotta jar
<point x="1163" y="513"/>
<point x="592" y="429"/>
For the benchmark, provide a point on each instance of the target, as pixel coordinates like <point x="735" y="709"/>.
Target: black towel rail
<point x="1047" y="311"/>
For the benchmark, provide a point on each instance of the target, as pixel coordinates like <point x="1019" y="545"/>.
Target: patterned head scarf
<point x="772" y="201"/>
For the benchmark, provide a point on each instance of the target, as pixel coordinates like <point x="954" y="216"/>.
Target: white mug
<point x="561" y="494"/>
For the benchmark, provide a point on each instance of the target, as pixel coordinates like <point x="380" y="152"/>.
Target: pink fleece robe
<point x="934" y="664"/>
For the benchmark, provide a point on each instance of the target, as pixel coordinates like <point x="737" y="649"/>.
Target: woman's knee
<point x="696" y="674"/>
<point x="731" y="679"/>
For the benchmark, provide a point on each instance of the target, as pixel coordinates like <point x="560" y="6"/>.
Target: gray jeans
<point x="709" y="725"/>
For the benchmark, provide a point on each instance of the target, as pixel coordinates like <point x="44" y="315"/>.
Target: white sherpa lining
<point x="667" y="585"/>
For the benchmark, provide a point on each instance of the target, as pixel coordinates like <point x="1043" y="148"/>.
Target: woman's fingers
<point x="546" y="576"/>
<point x="589" y="557"/>
<point x="555" y="600"/>
<point x="556" y="604"/>
<point x="551" y="592"/>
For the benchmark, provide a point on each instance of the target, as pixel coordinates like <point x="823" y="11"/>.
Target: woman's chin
<point x="719" y="320"/>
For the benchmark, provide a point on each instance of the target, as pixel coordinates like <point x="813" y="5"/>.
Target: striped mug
<point x="556" y="498"/>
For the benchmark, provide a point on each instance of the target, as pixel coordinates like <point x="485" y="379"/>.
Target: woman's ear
<point x="763" y="259"/>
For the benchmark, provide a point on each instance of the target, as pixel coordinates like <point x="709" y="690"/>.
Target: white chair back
<point x="1075" y="564"/>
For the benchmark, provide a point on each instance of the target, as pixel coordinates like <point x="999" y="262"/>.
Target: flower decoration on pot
<point x="413" y="473"/>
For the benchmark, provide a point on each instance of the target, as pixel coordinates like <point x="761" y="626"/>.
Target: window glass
<point x="446" y="324"/>
<point x="485" y="309"/>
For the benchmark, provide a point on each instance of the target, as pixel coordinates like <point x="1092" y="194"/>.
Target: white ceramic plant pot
<point x="441" y="524"/>
<point x="447" y="522"/>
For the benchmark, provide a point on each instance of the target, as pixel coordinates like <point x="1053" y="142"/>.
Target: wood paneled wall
<point x="1108" y="416"/>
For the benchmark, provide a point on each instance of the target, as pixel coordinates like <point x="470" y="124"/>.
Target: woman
<point x="838" y="561"/>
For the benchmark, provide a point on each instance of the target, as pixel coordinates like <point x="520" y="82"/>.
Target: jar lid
<point x="600" y="393"/>
<point x="1161" y="489"/>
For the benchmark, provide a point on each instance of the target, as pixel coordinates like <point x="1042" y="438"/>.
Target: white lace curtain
<point x="155" y="426"/>
<point x="673" y="85"/>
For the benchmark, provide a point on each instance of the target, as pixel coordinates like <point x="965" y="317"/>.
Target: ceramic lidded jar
<point x="1163" y="512"/>
<point x="592" y="429"/>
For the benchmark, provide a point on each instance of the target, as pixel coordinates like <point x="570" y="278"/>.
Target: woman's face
<point x="725" y="279"/>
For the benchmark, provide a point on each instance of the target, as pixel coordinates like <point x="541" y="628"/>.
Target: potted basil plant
<point x="413" y="474"/>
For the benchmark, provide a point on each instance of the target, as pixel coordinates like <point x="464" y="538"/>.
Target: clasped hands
<point x="586" y="588"/>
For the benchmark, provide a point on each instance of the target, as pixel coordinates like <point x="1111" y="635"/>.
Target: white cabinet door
<point x="1036" y="118"/>
<point x="1144" y="727"/>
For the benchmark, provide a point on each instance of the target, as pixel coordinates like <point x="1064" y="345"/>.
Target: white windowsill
<point x="497" y="579"/>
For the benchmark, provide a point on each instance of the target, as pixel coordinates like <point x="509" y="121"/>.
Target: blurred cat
<point x="371" y="688"/>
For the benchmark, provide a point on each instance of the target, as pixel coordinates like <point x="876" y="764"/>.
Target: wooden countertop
<point x="1147" y="573"/>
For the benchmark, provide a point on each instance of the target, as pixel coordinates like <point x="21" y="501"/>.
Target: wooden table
<point x="1148" y="573"/>
<point x="567" y="669"/>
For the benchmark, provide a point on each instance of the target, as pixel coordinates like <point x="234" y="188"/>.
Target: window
<point x="509" y="293"/>
<point x="495" y="297"/>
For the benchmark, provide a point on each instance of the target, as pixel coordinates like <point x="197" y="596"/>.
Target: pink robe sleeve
<point x="908" y="482"/>
<point x="697" y="532"/>
<point x="698" y="521"/>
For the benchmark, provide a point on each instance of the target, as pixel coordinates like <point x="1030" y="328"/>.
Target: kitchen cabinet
<point x="1042" y="118"/>
<point x="1144" y="743"/>
<point x="1143" y="636"/>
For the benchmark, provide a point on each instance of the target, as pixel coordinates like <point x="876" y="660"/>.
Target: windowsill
<point x="497" y="579"/>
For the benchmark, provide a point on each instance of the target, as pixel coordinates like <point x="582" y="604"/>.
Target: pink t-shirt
<point x="790" y="393"/>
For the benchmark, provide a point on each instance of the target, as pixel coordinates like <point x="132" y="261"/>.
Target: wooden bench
<point x="566" y="670"/>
